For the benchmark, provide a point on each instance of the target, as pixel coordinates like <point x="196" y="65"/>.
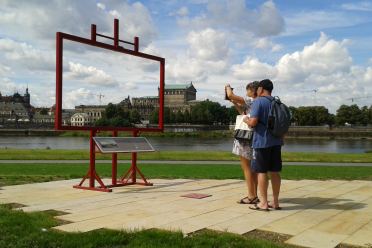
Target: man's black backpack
<point x="279" y="117"/>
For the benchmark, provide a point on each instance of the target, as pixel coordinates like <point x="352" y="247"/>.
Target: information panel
<point x="123" y="144"/>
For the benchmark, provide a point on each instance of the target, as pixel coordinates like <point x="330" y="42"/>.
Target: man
<point x="266" y="148"/>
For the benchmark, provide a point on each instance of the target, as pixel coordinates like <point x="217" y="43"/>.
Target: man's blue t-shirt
<point x="262" y="138"/>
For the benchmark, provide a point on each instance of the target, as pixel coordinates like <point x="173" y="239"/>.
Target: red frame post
<point x="92" y="173"/>
<point x="116" y="33"/>
<point x="114" y="163"/>
<point x="130" y="177"/>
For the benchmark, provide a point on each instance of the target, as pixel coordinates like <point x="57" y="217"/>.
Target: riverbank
<point x="44" y="154"/>
<point x="202" y="132"/>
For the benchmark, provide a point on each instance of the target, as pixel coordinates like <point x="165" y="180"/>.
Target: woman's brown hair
<point x="253" y="86"/>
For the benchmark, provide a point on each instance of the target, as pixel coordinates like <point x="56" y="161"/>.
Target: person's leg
<point x="259" y="166"/>
<point x="250" y="178"/>
<point x="275" y="169"/>
<point x="263" y="183"/>
<point x="275" y="184"/>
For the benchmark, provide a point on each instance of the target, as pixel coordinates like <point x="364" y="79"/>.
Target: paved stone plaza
<point x="315" y="213"/>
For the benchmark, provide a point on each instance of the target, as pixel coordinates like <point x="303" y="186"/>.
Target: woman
<point x="243" y="148"/>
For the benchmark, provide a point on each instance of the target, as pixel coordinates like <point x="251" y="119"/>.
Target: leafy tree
<point x="44" y="111"/>
<point x="208" y="112"/>
<point x="154" y="118"/>
<point x="172" y="117"/>
<point x="117" y="116"/>
<point x="232" y="113"/>
<point x="310" y="115"/>
<point x="186" y="116"/>
<point x="110" y="111"/>
<point x="179" y="117"/>
<point x="102" y="122"/>
<point x="135" y="116"/>
<point x="166" y="115"/>
<point x="349" y="114"/>
<point x="331" y="120"/>
<point x="364" y="115"/>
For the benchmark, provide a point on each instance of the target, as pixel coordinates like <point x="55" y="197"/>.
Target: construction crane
<point x="314" y="96"/>
<point x="100" y="96"/>
<point x="358" y="98"/>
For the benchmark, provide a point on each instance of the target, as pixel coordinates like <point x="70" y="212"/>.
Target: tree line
<point x="213" y="113"/>
<point x="205" y="112"/>
<point x="115" y="116"/>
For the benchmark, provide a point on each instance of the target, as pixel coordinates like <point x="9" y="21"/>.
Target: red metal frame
<point x="131" y="175"/>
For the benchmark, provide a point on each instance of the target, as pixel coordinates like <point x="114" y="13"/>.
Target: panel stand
<point x="92" y="173"/>
<point x="129" y="178"/>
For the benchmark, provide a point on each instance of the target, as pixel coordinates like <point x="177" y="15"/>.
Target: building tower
<point x="26" y="98"/>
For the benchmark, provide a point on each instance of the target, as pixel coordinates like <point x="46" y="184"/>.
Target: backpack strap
<point x="271" y="99"/>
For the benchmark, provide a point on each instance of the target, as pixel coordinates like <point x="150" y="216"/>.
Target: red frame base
<point x="129" y="178"/>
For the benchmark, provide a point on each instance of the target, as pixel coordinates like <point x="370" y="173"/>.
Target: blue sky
<point x="300" y="45"/>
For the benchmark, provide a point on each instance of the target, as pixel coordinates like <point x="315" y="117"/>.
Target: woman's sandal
<point x="246" y="200"/>
<point x="257" y="208"/>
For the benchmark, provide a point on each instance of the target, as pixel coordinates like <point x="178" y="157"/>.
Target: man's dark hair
<point x="266" y="84"/>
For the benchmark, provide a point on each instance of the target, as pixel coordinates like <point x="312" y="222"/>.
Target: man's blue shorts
<point x="267" y="159"/>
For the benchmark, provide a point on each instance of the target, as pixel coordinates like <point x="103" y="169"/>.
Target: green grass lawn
<point x="15" y="154"/>
<point x="23" y="173"/>
<point x="25" y="230"/>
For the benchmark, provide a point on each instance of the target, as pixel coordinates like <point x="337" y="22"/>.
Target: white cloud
<point x="8" y="87"/>
<point x="267" y="44"/>
<point x="323" y="57"/>
<point x="30" y="20"/>
<point x="208" y="44"/>
<point x="90" y="75"/>
<point x="135" y="20"/>
<point x="101" y="6"/>
<point x="306" y="21"/>
<point x="252" y="69"/>
<point x="234" y="15"/>
<point x="77" y="97"/>
<point x="26" y="55"/>
<point x="358" y="6"/>
<point x="183" y="11"/>
<point x="4" y="70"/>
<point x="207" y="54"/>
<point x="180" y="72"/>
<point x="269" y="20"/>
<point x="324" y="66"/>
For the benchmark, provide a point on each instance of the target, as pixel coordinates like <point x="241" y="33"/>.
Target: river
<point x="192" y="144"/>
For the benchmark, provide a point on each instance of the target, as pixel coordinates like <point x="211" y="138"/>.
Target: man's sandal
<point x="246" y="200"/>
<point x="277" y="208"/>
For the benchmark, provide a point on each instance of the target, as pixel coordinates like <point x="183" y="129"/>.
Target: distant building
<point x="81" y="119"/>
<point x="15" y="108"/>
<point x="95" y="112"/>
<point x="145" y="105"/>
<point x="125" y="104"/>
<point x="176" y="97"/>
